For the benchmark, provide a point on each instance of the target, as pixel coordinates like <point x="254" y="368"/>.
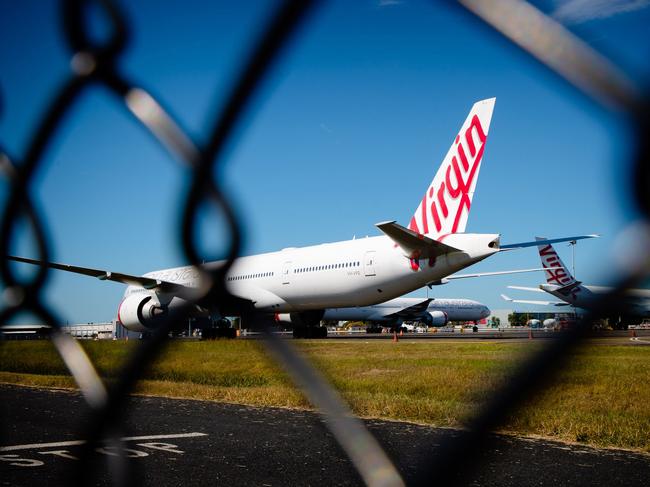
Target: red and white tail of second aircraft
<point x="360" y="272"/>
<point x="562" y="284"/>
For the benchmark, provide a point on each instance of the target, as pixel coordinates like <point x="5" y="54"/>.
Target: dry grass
<point x="602" y="399"/>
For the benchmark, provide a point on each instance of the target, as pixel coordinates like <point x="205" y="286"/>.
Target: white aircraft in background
<point x="360" y="272"/>
<point x="430" y="312"/>
<point x="562" y="284"/>
<point x="434" y="312"/>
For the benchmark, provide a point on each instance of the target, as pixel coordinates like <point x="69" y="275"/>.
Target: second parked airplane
<point x="429" y="311"/>
<point x="561" y="284"/>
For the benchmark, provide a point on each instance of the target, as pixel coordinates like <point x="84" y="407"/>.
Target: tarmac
<point x="188" y="442"/>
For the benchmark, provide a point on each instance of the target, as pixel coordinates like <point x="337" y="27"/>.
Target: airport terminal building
<point x="99" y="331"/>
<point x="111" y="330"/>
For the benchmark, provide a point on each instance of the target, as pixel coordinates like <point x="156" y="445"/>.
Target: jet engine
<point x="435" y="318"/>
<point x="139" y="312"/>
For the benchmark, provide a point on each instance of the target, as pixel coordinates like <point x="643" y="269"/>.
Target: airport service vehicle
<point x="561" y="284"/>
<point x="428" y="311"/>
<point x="359" y="272"/>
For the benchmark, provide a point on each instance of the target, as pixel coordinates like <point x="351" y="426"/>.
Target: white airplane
<point x="360" y="272"/>
<point x="562" y="284"/>
<point x="431" y="312"/>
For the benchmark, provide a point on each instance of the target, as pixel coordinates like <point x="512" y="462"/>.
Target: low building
<point x="99" y="331"/>
<point x="87" y="331"/>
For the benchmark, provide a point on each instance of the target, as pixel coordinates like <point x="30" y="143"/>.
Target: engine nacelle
<point x="140" y="312"/>
<point x="302" y="318"/>
<point x="435" y="318"/>
<point x="550" y="323"/>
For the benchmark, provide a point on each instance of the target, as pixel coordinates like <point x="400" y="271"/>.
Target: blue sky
<point x="347" y="131"/>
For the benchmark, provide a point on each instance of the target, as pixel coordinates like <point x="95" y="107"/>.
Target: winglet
<point x="414" y="245"/>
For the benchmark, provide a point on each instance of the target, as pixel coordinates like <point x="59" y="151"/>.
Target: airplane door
<point x="286" y="272"/>
<point x="369" y="263"/>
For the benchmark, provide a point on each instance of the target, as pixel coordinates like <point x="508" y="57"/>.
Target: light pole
<point x="572" y="243"/>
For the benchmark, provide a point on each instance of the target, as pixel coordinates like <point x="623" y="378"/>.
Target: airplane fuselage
<point x="637" y="301"/>
<point x="454" y="309"/>
<point x="358" y="272"/>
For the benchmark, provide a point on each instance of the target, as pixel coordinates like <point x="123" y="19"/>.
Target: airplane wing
<point x="524" y="288"/>
<point x="543" y="303"/>
<point x="102" y="275"/>
<point x="411" y="311"/>
<point x="445" y="280"/>
<point x="414" y="245"/>
<point x="497" y="273"/>
<point x="535" y="243"/>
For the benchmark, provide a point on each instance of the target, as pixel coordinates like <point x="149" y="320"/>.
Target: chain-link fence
<point x="96" y="63"/>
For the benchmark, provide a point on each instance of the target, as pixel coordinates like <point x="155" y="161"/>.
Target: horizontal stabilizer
<point x="497" y="273"/>
<point x="414" y="245"/>
<point x="524" y="288"/>
<point x="445" y="280"/>
<point x="145" y="282"/>
<point x="542" y="303"/>
<point x="536" y="243"/>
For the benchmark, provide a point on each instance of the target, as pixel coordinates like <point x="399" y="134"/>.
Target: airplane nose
<point x="486" y="312"/>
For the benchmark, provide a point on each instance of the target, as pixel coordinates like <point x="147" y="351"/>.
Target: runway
<point x="181" y="442"/>
<point x="611" y="337"/>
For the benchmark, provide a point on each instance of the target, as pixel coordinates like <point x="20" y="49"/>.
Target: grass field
<point x="602" y="398"/>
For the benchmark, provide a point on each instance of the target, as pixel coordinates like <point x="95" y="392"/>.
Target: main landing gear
<point x="220" y="329"/>
<point x="310" y="332"/>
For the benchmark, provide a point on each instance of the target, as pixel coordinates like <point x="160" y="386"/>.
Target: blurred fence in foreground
<point x="95" y="63"/>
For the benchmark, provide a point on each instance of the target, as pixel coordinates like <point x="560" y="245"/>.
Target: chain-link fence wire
<point x="94" y="63"/>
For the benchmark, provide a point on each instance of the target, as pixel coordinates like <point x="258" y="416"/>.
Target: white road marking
<point x="59" y="453"/>
<point x="159" y="445"/>
<point x="42" y="445"/>
<point x="163" y="437"/>
<point x="33" y="446"/>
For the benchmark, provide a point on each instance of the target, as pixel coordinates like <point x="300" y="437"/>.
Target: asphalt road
<point x="184" y="442"/>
